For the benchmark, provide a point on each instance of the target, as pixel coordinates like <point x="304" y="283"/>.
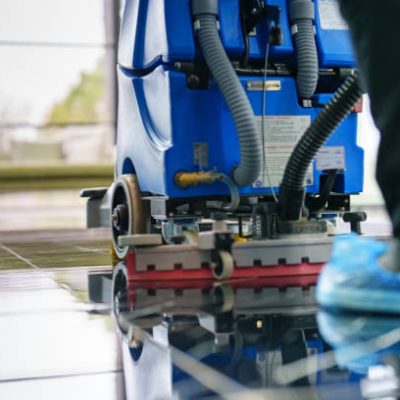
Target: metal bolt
<point x="115" y="218"/>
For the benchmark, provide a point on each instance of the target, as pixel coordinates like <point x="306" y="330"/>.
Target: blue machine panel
<point x="282" y="53"/>
<point x="161" y="120"/>
<point x="161" y="31"/>
<point x="333" y="39"/>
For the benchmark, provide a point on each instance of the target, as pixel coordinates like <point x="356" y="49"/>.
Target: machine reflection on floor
<point x="199" y="340"/>
<point x="176" y="340"/>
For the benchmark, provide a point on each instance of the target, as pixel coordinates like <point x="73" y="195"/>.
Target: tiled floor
<point x="54" y="343"/>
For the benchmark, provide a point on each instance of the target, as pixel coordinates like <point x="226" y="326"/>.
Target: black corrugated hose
<point x="292" y="189"/>
<point x="205" y="15"/>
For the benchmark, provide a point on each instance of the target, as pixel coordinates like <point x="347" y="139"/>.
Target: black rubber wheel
<point x="129" y="214"/>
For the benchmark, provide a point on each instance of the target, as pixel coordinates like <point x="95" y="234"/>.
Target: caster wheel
<point x="120" y="296"/>
<point x="223" y="297"/>
<point x="129" y="214"/>
<point x="223" y="268"/>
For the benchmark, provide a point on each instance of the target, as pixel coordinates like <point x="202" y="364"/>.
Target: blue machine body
<point x="162" y="122"/>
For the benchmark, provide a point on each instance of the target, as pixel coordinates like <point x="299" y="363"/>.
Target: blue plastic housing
<point x="161" y="120"/>
<point x="334" y="45"/>
<point x="156" y="32"/>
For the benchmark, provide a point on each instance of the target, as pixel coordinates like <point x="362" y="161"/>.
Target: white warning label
<point x="330" y="16"/>
<point x="281" y="134"/>
<point x="331" y="157"/>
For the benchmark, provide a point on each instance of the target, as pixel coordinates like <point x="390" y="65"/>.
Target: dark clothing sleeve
<point x="375" y="30"/>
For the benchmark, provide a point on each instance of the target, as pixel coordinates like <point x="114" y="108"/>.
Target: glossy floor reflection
<point x="54" y="342"/>
<point x="250" y="340"/>
<point x="241" y="340"/>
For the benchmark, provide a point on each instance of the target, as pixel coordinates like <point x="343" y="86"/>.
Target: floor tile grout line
<point x="58" y="269"/>
<point x="206" y="375"/>
<point x="21" y="258"/>
<point x="32" y="265"/>
<point x="94" y="251"/>
<point x="61" y="376"/>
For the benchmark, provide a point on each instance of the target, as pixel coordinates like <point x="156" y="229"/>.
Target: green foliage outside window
<point x="85" y="102"/>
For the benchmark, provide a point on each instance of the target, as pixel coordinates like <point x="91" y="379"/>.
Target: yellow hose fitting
<point x="187" y="179"/>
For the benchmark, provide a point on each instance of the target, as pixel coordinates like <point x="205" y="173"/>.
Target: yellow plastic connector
<point x="187" y="179"/>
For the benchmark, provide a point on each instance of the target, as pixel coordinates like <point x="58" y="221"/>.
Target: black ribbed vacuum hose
<point x="292" y="189"/>
<point x="232" y="90"/>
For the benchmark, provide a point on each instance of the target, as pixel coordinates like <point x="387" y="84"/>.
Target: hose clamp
<point x="294" y="30"/>
<point x="197" y="25"/>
